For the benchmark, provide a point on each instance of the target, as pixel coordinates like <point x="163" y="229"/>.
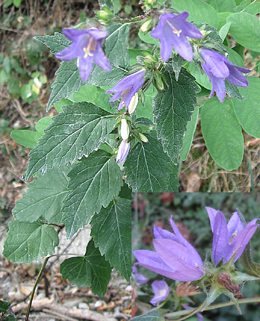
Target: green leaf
<point x="253" y="8"/>
<point x="90" y="269"/>
<point x="153" y="315"/>
<point x="17" y="3"/>
<point x="56" y="43"/>
<point x="14" y="87"/>
<point x="44" y="198"/>
<point x="189" y="133"/>
<point x="78" y="131"/>
<point x="148" y="38"/>
<point x="213" y="294"/>
<point x="222" y="16"/>
<point x="66" y="83"/>
<point x="245" y="28"/>
<point x="7" y="65"/>
<point x="240" y="277"/>
<point x="248" y="109"/>
<point x="61" y="103"/>
<point x="27" y="242"/>
<point x="149" y="169"/>
<point x="4" y="306"/>
<point x="8" y="3"/>
<point x="224" y="30"/>
<point x="42" y="124"/>
<point x="95" y="95"/>
<point x="172" y="110"/>
<point x="111" y="229"/>
<point x="199" y="11"/>
<point x="223" y="5"/>
<point x="24" y="137"/>
<point x="200" y="76"/>
<point x="222" y="133"/>
<point x="146" y="111"/>
<point x="3" y="76"/>
<point x="94" y="182"/>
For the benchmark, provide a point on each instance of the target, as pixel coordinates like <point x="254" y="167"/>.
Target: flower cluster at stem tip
<point x="173" y="31"/>
<point x="174" y="257"/>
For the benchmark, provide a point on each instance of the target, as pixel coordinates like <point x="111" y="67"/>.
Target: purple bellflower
<point x="161" y="291"/>
<point x="86" y="45"/>
<point x="127" y="87"/>
<point x="174" y="258"/>
<point x="199" y="315"/>
<point x="218" y="68"/>
<point x="139" y="278"/>
<point x="172" y="31"/>
<point x="123" y="151"/>
<point x="231" y="237"/>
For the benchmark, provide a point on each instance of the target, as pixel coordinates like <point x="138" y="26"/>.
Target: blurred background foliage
<point x="188" y="212"/>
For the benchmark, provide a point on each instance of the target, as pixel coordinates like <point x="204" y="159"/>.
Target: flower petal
<point x="236" y="78"/>
<point x="68" y="53"/>
<point x="85" y="67"/>
<point x="220" y="238"/>
<point x="212" y="215"/>
<point x="241" y="240"/>
<point x="178" y="258"/>
<point x="234" y="225"/>
<point x="152" y="261"/>
<point x="73" y="34"/>
<point x="161" y="291"/>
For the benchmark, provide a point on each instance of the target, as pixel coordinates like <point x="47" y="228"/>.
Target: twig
<point x="57" y="314"/>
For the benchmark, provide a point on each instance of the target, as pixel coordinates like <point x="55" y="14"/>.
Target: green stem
<point x="211" y="307"/>
<point x="34" y="288"/>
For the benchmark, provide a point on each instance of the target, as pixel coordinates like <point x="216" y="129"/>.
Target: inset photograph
<point x="196" y="257"/>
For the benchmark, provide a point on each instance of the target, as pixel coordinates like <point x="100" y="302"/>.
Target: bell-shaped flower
<point x="127" y="88"/>
<point x="218" y="68"/>
<point x="172" y="31"/>
<point x="86" y="45"/>
<point x="161" y="291"/>
<point x="139" y="278"/>
<point x="174" y="256"/>
<point x="123" y="151"/>
<point x="230" y="238"/>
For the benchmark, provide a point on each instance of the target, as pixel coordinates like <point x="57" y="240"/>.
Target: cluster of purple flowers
<point x="173" y="31"/>
<point x="175" y="258"/>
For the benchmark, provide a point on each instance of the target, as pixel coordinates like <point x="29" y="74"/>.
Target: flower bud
<point x="158" y="81"/>
<point x="124" y="129"/>
<point x="147" y="25"/>
<point x="123" y="151"/>
<point x="143" y="138"/>
<point x="105" y="14"/>
<point x="133" y="104"/>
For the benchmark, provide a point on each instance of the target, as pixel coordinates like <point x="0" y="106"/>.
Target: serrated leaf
<point x="245" y="28"/>
<point x="222" y="133"/>
<point x="44" y="197"/>
<point x="27" y="242"/>
<point x="172" y="110"/>
<point x="56" y="43"/>
<point x="189" y="133"/>
<point x="177" y="63"/>
<point x="111" y="229"/>
<point x="90" y="269"/>
<point x="78" y="131"/>
<point x="248" y="109"/>
<point x="24" y="137"/>
<point x="66" y="83"/>
<point x="153" y="315"/>
<point x="149" y="169"/>
<point x="94" y="182"/>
